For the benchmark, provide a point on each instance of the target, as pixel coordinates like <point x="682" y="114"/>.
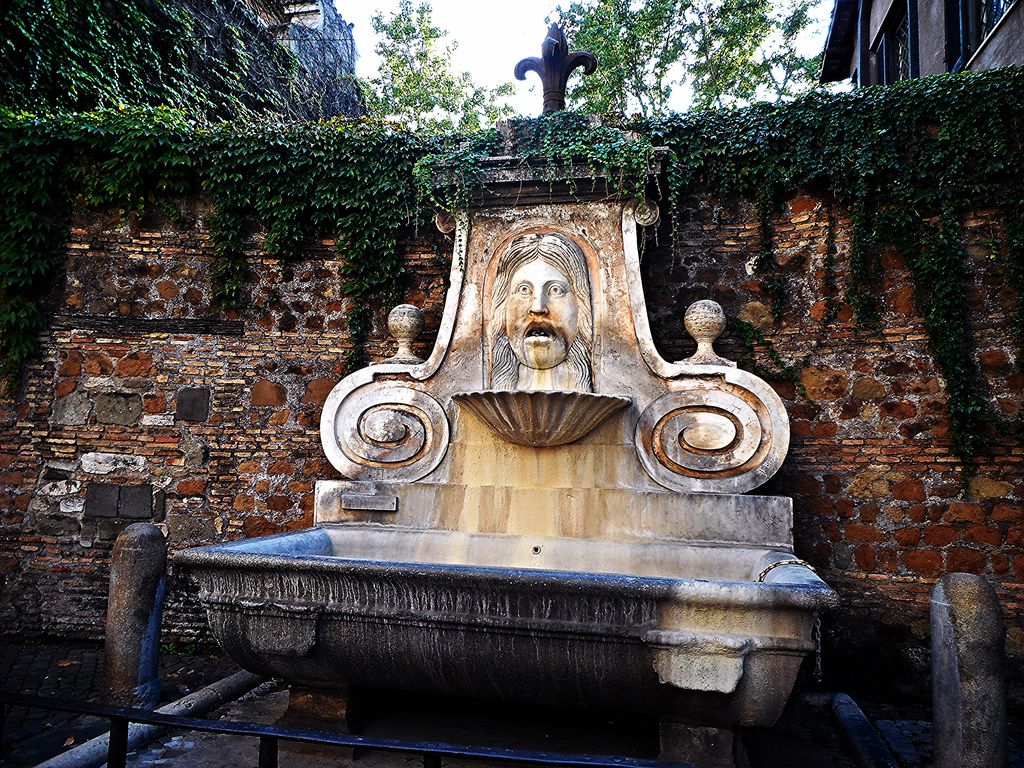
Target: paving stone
<point x="55" y="526"/>
<point x="74" y="670"/>
<point x="195" y="454"/>
<point x="159" y="506"/>
<point x="72" y="409"/>
<point x="120" y="408"/>
<point x="905" y="742"/>
<point x="99" y="463"/>
<point x="56" y="473"/>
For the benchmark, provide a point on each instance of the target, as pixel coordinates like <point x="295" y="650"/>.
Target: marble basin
<point x="647" y="625"/>
<point x="540" y="418"/>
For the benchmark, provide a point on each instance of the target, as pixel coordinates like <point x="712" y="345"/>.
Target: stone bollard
<point x="968" y="684"/>
<point x="133" y="616"/>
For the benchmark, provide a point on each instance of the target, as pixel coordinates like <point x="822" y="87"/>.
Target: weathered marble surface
<point x="652" y="626"/>
<point x="544" y="509"/>
<point x="548" y="298"/>
<point x="968" y="674"/>
<point x="540" y="419"/>
<point x="545" y="504"/>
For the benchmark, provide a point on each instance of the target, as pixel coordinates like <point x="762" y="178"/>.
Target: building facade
<point x="879" y="42"/>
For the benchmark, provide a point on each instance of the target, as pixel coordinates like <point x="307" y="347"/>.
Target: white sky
<point x="492" y="35"/>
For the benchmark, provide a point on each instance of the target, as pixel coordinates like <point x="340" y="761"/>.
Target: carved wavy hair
<point x="565" y="256"/>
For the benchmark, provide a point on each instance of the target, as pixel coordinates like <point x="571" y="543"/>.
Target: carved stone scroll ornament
<point x="712" y="436"/>
<point x="387" y="431"/>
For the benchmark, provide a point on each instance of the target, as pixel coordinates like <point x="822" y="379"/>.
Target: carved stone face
<point x="541" y="326"/>
<point x="541" y="315"/>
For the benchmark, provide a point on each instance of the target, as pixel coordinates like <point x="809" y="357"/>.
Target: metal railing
<point x="269" y="736"/>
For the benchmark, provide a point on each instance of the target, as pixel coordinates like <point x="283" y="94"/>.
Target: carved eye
<point x="523" y="289"/>
<point x="556" y="289"/>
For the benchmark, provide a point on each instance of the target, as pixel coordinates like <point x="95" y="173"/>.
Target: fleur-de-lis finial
<point x="555" y="66"/>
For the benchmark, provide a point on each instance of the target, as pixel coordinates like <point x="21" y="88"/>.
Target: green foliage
<point x="719" y="51"/>
<point x="416" y="86"/>
<point x="350" y="179"/>
<point x="563" y="139"/>
<point x="750" y="337"/>
<point x="1014" y="223"/>
<point x="907" y="162"/>
<point x="207" y="57"/>
<point x="32" y="234"/>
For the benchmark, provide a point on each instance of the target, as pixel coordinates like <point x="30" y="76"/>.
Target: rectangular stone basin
<point x="681" y="629"/>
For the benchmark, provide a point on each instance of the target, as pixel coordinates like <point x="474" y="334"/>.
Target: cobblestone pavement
<point x="74" y="670"/>
<point x="808" y="739"/>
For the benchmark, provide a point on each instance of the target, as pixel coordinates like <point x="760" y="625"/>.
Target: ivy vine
<point x="347" y="179"/>
<point x="907" y="161"/>
<point x="206" y="57"/>
<point x="562" y="140"/>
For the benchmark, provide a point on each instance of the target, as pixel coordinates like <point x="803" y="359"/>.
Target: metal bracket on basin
<point x="791" y="561"/>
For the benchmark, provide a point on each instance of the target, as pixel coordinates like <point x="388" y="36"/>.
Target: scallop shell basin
<point x="540" y="418"/>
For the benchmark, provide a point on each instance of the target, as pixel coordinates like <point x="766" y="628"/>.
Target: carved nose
<point x="540" y="304"/>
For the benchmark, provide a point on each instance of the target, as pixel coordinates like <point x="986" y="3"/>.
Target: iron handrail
<point x="269" y="735"/>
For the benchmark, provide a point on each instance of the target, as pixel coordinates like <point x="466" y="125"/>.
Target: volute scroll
<point x="713" y="435"/>
<point x="386" y="431"/>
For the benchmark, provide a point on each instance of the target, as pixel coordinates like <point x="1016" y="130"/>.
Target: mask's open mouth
<point x="540" y="332"/>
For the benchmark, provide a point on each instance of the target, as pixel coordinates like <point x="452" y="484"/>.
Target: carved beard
<point x="505" y="365"/>
<point x="539" y="344"/>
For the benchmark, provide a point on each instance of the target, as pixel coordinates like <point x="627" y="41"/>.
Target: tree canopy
<point x="722" y="51"/>
<point x="210" y="58"/>
<point x="416" y="86"/>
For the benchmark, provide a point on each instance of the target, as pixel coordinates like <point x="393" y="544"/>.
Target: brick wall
<point x="147" y="403"/>
<point x="880" y="507"/>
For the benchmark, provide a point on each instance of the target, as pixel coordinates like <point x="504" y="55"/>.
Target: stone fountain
<point x="544" y="509"/>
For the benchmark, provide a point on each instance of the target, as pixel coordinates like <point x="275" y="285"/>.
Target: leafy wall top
<point x="906" y="160"/>
<point x="217" y="58"/>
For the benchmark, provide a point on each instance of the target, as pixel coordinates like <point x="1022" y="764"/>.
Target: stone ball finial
<point x="445" y="223"/>
<point x="705" y="322"/>
<point x="645" y="212"/>
<point x="405" y="323"/>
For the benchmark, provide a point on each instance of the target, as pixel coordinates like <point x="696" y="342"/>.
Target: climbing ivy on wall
<point x="347" y="179"/>
<point x="614" y="157"/>
<point x="206" y="57"/>
<point x="906" y="161"/>
<point x="351" y="180"/>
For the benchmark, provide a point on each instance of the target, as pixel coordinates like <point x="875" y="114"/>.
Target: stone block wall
<point x="148" y="402"/>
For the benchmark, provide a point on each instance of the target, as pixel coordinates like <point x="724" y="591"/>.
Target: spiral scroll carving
<point x="389" y="433"/>
<point x="708" y="437"/>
